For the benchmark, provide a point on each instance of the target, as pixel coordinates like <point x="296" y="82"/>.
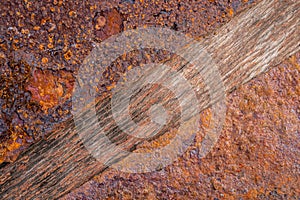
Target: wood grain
<point x="248" y="45"/>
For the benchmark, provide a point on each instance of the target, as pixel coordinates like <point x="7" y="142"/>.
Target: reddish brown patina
<point x="53" y="37"/>
<point x="257" y="155"/>
<point x="42" y="45"/>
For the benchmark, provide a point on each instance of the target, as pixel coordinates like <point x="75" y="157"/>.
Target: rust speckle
<point x="100" y="22"/>
<point x="44" y="60"/>
<point x="230" y="12"/>
<point x="68" y="55"/>
<point x="72" y="14"/>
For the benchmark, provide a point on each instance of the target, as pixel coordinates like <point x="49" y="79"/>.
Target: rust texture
<point x="42" y="45"/>
<point x="257" y="155"/>
<point x="53" y="37"/>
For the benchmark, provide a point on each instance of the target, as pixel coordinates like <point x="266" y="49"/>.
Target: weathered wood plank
<point x="245" y="47"/>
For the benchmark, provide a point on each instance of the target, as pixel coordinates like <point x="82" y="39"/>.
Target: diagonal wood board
<point x="248" y="45"/>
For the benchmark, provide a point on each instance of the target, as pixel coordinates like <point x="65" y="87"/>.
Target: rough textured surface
<point x="54" y="36"/>
<point x="257" y="156"/>
<point x="70" y="48"/>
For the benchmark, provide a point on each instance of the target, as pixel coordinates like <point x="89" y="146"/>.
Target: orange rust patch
<point x="230" y="12"/>
<point x="44" y="60"/>
<point x="48" y="89"/>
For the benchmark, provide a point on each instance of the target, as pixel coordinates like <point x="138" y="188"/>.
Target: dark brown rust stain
<point x="14" y="98"/>
<point x="107" y="23"/>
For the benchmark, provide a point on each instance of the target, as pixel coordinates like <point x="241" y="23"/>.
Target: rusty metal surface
<point x="257" y="155"/>
<point x="42" y="45"/>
